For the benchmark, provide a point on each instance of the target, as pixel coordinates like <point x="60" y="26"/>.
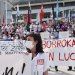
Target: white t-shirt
<point x="39" y="27"/>
<point x="35" y="28"/>
<point x="31" y="27"/>
<point x="39" y="64"/>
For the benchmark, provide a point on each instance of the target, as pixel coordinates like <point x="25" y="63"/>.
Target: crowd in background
<point x="20" y="30"/>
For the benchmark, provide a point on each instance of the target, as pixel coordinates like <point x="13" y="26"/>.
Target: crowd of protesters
<point x="51" y="26"/>
<point x="19" y="31"/>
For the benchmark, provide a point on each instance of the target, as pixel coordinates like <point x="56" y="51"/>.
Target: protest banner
<point x="12" y="45"/>
<point x="64" y="34"/>
<point x="13" y="59"/>
<point x="61" y="51"/>
<point x="45" y="35"/>
<point x="16" y="46"/>
<point x="15" y="63"/>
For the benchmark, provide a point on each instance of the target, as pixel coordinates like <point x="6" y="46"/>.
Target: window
<point x="47" y="14"/>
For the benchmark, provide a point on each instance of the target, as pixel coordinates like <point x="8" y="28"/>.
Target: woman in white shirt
<point x="39" y="59"/>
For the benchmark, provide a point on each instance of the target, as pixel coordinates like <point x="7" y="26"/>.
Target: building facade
<point x="5" y="12"/>
<point x="66" y="10"/>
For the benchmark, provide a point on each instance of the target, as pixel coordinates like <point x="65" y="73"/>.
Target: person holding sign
<point x="39" y="60"/>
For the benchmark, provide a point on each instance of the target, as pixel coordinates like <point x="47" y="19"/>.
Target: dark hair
<point x="37" y="37"/>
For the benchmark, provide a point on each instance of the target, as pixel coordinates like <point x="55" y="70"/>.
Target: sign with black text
<point x="15" y="63"/>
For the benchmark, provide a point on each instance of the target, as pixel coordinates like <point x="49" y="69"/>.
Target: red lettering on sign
<point x="73" y="43"/>
<point x="48" y="44"/>
<point x="51" y="56"/>
<point x="69" y="43"/>
<point x="53" y="44"/>
<point x="71" y="56"/>
<point x="60" y="57"/>
<point x="59" y="43"/>
<point x="66" y="56"/>
<point x="63" y="43"/>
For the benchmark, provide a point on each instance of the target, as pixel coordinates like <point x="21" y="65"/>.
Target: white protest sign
<point x="64" y="34"/>
<point x="61" y="51"/>
<point x="45" y="35"/>
<point x="14" y="45"/>
<point x="15" y="63"/>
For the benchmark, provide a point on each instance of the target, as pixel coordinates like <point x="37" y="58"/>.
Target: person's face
<point x="4" y="36"/>
<point x="29" y="38"/>
<point x="16" y="37"/>
<point x="9" y="36"/>
<point x="50" y="22"/>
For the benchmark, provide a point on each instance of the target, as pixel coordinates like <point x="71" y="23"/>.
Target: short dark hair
<point x="37" y="37"/>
